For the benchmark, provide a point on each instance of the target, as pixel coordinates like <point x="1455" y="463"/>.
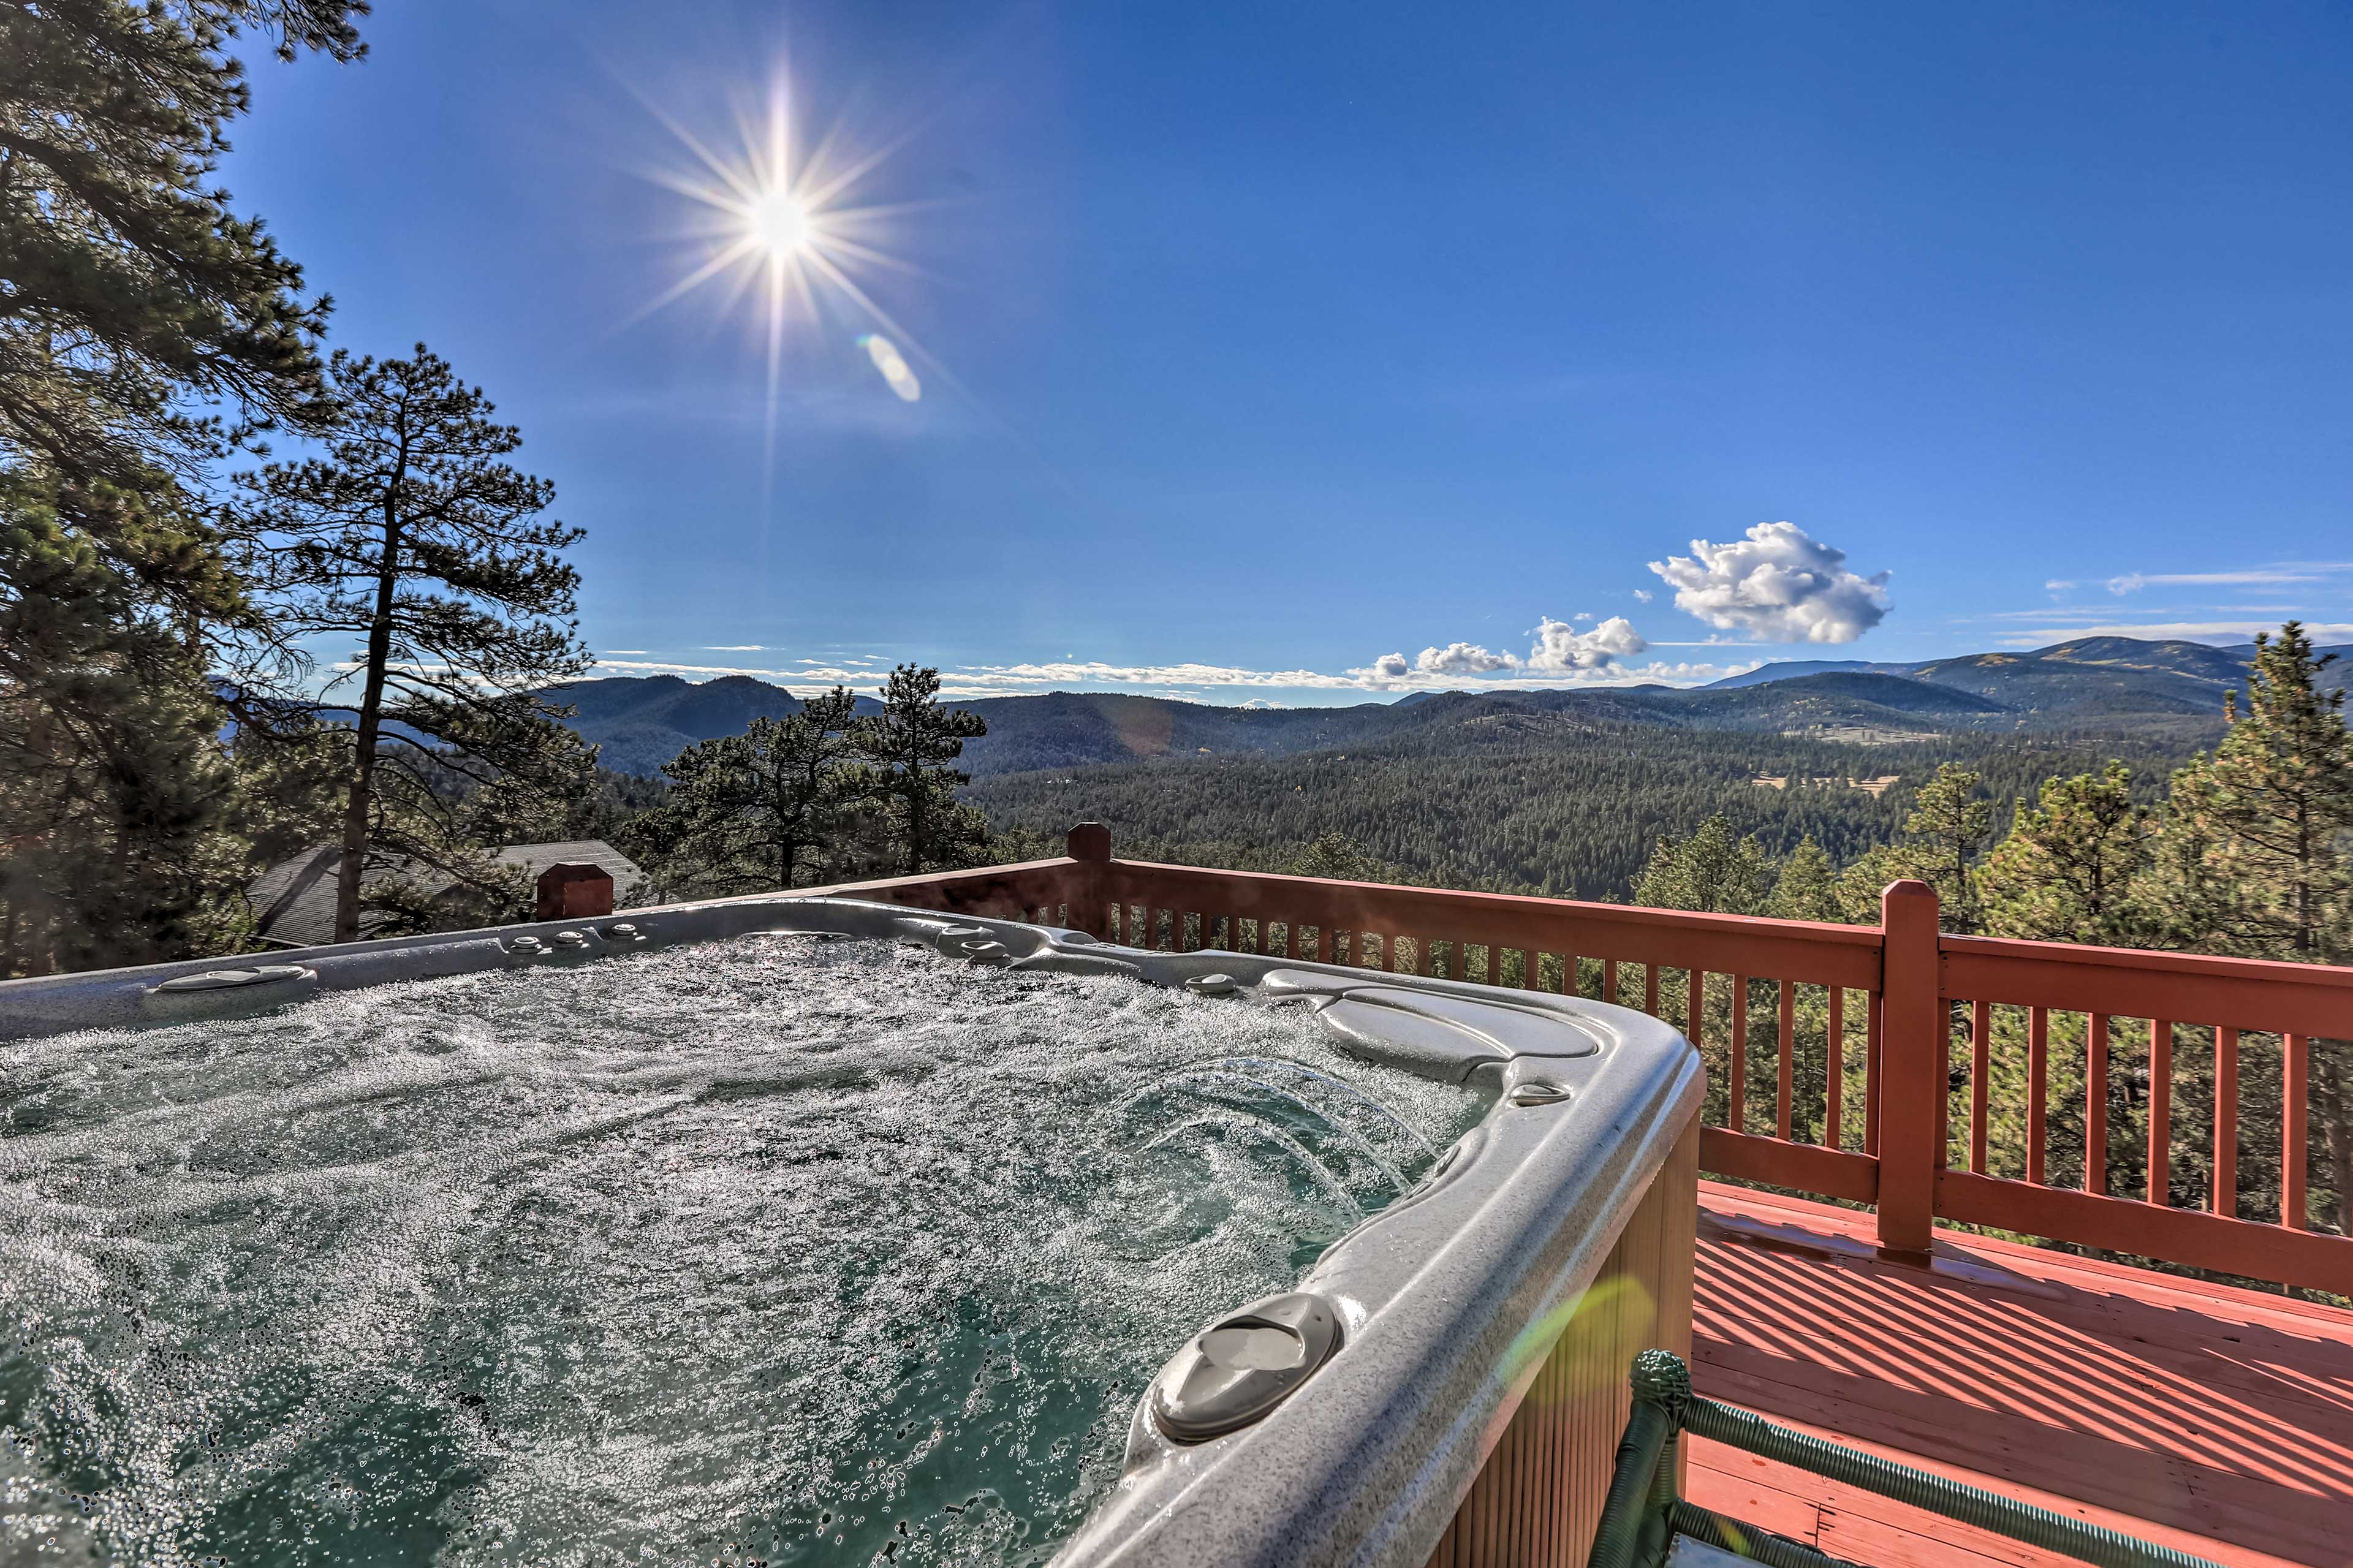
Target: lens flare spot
<point x="894" y="367"/>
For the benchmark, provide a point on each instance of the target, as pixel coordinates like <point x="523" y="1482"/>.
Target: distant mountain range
<point x="2088" y="685"/>
<point x="2090" y="675"/>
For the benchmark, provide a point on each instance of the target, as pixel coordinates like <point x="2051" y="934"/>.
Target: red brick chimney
<point x="570" y="890"/>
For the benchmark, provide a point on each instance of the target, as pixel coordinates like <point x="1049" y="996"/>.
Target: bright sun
<point x="775" y="227"/>
<point x="780" y="223"/>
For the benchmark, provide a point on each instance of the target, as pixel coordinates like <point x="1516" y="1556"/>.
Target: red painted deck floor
<point x="2215" y="1420"/>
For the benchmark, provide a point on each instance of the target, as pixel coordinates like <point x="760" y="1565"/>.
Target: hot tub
<point x="1444" y="1382"/>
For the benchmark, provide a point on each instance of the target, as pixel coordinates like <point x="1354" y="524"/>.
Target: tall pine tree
<point x="911" y="745"/>
<point x="413" y="538"/>
<point x="2270" y="814"/>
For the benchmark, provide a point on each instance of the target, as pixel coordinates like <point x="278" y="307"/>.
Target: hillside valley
<point x="1558" y="791"/>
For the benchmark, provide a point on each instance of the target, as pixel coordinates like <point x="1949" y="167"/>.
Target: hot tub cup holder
<point x="229" y="991"/>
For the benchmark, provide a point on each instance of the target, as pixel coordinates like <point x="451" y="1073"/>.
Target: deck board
<point x="2212" y="1419"/>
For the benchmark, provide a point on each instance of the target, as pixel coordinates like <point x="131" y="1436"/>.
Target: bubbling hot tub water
<point x="783" y="1249"/>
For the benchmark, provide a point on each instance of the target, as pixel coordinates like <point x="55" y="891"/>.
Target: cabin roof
<point x="295" y="900"/>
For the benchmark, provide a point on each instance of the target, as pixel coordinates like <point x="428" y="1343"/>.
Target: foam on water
<point x="783" y="1250"/>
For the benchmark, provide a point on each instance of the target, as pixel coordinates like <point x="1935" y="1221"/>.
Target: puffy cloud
<point x="1560" y="646"/>
<point x="1643" y="595"/>
<point x="1780" y="583"/>
<point x="2059" y="586"/>
<point x="1462" y="658"/>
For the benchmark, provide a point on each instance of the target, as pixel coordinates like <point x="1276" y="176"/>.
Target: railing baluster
<point x="1981" y="1076"/>
<point x="2160" y="1111"/>
<point x="1531" y="969"/>
<point x="1694" y="1003"/>
<point x="2223" y="1197"/>
<point x="2038" y="1060"/>
<point x="1874" y="1009"/>
<point x="1735" y="1087"/>
<point x="1941" y="1141"/>
<point x="1785" y="1100"/>
<point x="1651" y="989"/>
<point x="1609" y="981"/>
<point x="1834" y="1070"/>
<point x="1572" y="976"/>
<point x="2294" y="1053"/>
<point x="2096" y="1103"/>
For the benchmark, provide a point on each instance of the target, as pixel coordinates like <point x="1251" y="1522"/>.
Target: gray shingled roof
<point x="296" y="899"/>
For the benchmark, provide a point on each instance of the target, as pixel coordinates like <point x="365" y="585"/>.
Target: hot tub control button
<point x="1244" y="1366"/>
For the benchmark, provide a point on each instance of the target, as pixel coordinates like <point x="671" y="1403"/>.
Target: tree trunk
<point x="914" y="816"/>
<point x="379" y="653"/>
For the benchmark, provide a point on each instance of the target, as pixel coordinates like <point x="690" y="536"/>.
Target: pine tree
<point x="2271" y="817"/>
<point x="773" y="808"/>
<point x="1805" y="888"/>
<point x="146" y="329"/>
<point x="112" y="792"/>
<point x="1710" y="870"/>
<point x="414" y="538"/>
<point x="1944" y="837"/>
<point x="909" y="745"/>
<point x="2073" y="866"/>
<point x="129" y="289"/>
<point x="2276" y="803"/>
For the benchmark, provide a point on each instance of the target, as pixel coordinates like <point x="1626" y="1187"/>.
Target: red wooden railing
<point x="1912" y="994"/>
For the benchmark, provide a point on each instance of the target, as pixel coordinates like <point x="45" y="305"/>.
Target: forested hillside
<point x="1541" y="802"/>
<point x="2166" y="691"/>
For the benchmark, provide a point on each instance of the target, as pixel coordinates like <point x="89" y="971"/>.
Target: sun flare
<point x="773" y="225"/>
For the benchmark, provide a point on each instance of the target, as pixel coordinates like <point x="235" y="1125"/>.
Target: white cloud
<point x="1644" y="595"/>
<point x="1582" y="616"/>
<point x="2160" y="631"/>
<point x="1561" y="647"/>
<point x="626" y="650"/>
<point x="735" y="647"/>
<point x="1561" y="655"/>
<point x="1461" y="658"/>
<point x="1780" y="583"/>
<point x="2134" y="581"/>
<point x="2059" y="586"/>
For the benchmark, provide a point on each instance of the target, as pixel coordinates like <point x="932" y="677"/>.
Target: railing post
<point x="1090" y="844"/>
<point x="1910" y="1033"/>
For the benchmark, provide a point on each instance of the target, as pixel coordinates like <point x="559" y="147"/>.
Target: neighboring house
<point x="295" y="901"/>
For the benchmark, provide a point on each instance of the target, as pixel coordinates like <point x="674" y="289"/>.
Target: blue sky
<point x="1309" y="353"/>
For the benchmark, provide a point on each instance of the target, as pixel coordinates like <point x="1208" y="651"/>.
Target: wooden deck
<point x="2216" y="1420"/>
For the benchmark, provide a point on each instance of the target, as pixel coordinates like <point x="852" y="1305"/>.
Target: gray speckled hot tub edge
<point x="1449" y="1298"/>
